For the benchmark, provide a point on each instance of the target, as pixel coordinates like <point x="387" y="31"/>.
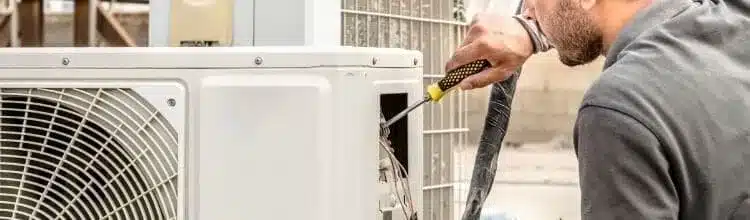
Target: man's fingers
<point x="465" y="54"/>
<point x="484" y="78"/>
<point x="470" y="38"/>
<point x="474" y="32"/>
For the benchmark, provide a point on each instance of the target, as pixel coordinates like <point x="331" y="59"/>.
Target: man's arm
<point x="623" y="173"/>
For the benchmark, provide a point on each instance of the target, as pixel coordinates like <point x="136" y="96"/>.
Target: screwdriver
<point x="437" y="90"/>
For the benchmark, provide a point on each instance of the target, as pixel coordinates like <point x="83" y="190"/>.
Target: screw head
<point x="258" y="60"/>
<point x="349" y="74"/>
<point x="171" y="102"/>
<point x="65" y="61"/>
<point x="416" y="61"/>
<point x="374" y="60"/>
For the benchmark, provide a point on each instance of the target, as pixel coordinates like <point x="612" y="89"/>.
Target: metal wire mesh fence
<point x="435" y="27"/>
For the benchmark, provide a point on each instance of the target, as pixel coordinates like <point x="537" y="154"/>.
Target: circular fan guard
<point x="85" y="154"/>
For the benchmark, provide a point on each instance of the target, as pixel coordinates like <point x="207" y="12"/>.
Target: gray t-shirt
<point x="664" y="133"/>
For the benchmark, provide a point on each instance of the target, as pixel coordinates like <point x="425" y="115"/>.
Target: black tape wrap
<point x="495" y="128"/>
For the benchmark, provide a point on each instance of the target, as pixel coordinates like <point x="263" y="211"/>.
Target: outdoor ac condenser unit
<point x="201" y="133"/>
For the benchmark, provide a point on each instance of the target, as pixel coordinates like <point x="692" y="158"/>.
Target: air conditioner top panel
<point x="208" y="57"/>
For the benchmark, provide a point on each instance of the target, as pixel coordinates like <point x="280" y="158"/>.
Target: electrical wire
<point x="395" y="181"/>
<point x="402" y="192"/>
<point x="398" y="172"/>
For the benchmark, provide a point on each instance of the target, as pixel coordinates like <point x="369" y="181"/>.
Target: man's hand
<point x="501" y="40"/>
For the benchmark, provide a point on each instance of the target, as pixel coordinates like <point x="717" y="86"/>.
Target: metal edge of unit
<point x="209" y="57"/>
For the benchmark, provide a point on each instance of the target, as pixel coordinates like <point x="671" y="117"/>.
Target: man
<point x="664" y="133"/>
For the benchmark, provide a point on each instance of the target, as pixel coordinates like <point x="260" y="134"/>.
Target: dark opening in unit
<point x="390" y="105"/>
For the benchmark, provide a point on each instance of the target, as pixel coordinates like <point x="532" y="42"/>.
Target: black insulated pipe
<point x="496" y="126"/>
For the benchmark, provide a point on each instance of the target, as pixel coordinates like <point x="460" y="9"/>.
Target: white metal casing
<point x="246" y="22"/>
<point x="265" y="132"/>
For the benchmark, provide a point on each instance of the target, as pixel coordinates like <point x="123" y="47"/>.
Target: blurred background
<point x="537" y="176"/>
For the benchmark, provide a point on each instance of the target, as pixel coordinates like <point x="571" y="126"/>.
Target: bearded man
<point x="664" y="132"/>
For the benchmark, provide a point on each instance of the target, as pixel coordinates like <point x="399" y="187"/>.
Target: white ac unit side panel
<point x="397" y="82"/>
<point x="283" y="160"/>
<point x="168" y="98"/>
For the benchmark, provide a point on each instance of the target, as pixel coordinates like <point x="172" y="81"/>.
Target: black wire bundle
<point x="495" y="129"/>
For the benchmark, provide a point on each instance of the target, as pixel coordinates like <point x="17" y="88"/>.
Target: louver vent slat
<point x="85" y="154"/>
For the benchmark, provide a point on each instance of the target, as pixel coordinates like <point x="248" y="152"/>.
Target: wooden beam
<point x="32" y="23"/>
<point x="5" y="30"/>
<point x="112" y="30"/>
<point x="81" y="20"/>
<point x="4" y="21"/>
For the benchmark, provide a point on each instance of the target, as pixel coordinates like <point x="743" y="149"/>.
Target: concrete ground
<point x="535" y="182"/>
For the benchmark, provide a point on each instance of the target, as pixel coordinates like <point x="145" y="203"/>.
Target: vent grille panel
<point x="85" y="154"/>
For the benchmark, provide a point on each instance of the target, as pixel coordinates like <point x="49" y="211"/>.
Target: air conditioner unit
<point x="202" y="133"/>
<point x="244" y="23"/>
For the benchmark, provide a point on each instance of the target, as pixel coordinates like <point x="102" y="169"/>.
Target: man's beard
<point x="573" y="33"/>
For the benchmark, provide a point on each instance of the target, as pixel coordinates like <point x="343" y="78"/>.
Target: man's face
<point x="570" y="28"/>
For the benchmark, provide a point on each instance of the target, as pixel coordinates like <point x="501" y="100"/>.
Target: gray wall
<point x="545" y="104"/>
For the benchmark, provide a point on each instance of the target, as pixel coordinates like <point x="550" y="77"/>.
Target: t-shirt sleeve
<point x="623" y="173"/>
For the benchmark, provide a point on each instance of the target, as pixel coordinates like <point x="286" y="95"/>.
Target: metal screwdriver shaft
<point x="405" y="112"/>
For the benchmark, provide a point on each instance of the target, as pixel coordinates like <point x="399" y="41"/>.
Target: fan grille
<point x="85" y="154"/>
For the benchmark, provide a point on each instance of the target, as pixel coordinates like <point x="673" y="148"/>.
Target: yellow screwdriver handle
<point x="437" y="90"/>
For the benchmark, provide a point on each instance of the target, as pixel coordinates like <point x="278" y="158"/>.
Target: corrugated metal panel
<point x="430" y="26"/>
